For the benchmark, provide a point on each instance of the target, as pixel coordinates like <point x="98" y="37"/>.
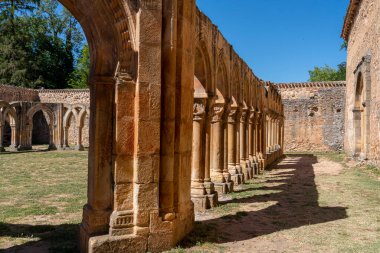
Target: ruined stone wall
<point x="363" y="42"/>
<point x="11" y="93"/>
<point x="65" y="96"/>
<point x="314" y="116"/>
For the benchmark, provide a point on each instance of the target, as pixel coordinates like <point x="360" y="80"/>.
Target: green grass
<point x="42" y="194"/>
<point x="41" y="198"/>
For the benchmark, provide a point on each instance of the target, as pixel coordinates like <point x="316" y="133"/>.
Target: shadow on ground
<point x="293" y="204"/>
<point x="49" y="238"/>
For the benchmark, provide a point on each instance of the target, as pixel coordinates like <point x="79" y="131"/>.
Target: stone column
<point x="208" y="184"/>
<point x="96" y="213"/>
<point x="2" y="149"/>
<point x="66" y="137"/>
<point x="239" y="167"/>
<point x="251" y="141"/>
<point x="79" y="145"/>
<point x="14" y="143"/>
<point x="199" y="195"/>
<point x="243" y="143"/>
<point x="217" y="175"/>
<point x="235" y="175"/>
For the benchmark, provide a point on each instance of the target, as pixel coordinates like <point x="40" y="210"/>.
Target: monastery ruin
<point x="177" y="119"/>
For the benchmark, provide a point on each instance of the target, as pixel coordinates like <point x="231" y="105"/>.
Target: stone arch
<point x="50" y="118"/>
<point x="7" y="111"/>
<point x="359" y="119"/>
<point x="109" y="44"/>
<point x="202" y="70"/>
<point x="361" y="109"/>
<point x="222" y="84"/>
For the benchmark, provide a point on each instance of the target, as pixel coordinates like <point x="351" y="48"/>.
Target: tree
<point x="327" y="73"/>
<point x="39" y="43"/>
<point x="79" y="78"/>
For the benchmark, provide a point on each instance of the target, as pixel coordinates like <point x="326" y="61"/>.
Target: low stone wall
<point x="314" y="116"/>
<point x="11" y="93"/>
<point x="65" y="96"/>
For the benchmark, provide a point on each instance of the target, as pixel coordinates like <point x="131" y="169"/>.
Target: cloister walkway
<point x="306" y="203"/>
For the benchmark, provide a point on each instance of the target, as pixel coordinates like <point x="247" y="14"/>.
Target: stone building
<point x="177" y="118"/>
<point x="362" y="32"/>
<point x="314" y="116"/>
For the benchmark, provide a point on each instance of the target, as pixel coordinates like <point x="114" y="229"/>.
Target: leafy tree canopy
<point x="40" y="43"/>
<point x="327" y="73"/>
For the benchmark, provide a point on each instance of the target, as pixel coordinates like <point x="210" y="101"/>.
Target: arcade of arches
<point x="174" y="124"/>
<point x="177" y="119"/>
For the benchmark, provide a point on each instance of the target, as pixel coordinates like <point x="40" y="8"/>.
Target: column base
<point x="256" y="169"/>
<point x="246" y="170"/>
<point x="52" y="147"/>
<point x="224" y="188"/>
<point x="204" y="202"/>
<point x="237" y="179"/>
<point x="79" y="148"/>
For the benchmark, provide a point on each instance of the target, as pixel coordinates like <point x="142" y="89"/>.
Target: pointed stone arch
<point x="7" y="111"/>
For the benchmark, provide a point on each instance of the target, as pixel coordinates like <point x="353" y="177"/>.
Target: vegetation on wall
<point x="41" y="45"/>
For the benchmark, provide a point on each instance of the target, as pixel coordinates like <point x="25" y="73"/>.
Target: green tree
<point x="327" y="73"/>
<point x="79" y="78"/>
<point x="39" y="43"/>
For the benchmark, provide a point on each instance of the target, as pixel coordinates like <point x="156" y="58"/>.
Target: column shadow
<point x="61" y="238"/>
<point x="291" y="203"/>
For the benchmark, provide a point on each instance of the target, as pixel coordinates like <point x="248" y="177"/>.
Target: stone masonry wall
<point x="314" y="116"/>
<point x="65" y="96"/>
<point x="12" y="93"/>
<point x="363" y="42"/>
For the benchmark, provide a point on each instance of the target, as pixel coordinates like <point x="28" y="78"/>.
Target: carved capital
<point x="244" y="115"/>
<point x="199" y="109"/>
<point x="232" y="115"/>
<point x="252" y="115"/>
<point x="217" y="112"/>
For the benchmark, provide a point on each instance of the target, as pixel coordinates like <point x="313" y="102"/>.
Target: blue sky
<point x="281" y="40"/>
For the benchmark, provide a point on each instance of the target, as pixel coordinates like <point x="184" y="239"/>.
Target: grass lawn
<point x="306" y="203"/>
<point x="41" y="199"/>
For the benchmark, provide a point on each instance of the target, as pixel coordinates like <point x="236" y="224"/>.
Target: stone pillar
<point x="217" y="166"/>
<point x="208" y="184"/>
<point x="66" y="137"/>
<point x="256" y="144"/>
<point x="251" y="142"/>
<point x="239" y="166"/>
<point x="2" y="149"/>
<point x="96" y="213"/>
<point x="235" y="175"/>
<point x="14" y="142"/>
<point x="199" y="195"/>
<point x="79" y="145"/>
<point x="243" y="144"/>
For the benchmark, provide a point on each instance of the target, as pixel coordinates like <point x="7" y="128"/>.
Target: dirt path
<point x="305" y="204"/>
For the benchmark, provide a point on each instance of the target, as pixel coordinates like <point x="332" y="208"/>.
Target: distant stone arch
<point x="8" y="112"/>
<point x="50" y="118"/>
<point x="74" y="113"/>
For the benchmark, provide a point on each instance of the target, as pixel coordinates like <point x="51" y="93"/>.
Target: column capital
<point x="243" y="115"/>
<point x="199" y="108"/>
<point x="217" y="111"/>
<point x="233" y="114"/>
<point x="252" y="115"/>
